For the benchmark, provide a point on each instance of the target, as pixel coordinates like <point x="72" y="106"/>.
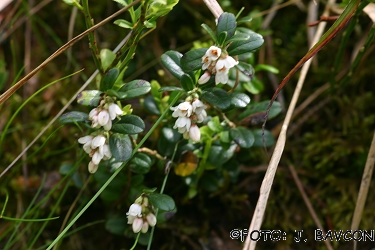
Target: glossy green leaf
<point x="106" y="57"/>
<point x="171" y="135"/>
<point x="192" y="60"/>
<point x="151" y="106"/>
<point x="226" y="23"/>
<point x="217" y="97"/>
<point x="254" y="86"/>
<point x="162" y="201"/>
<point x="109" y="79"/>
<point x="171" y="88"/>
<point x="121" y="147"/>
<point x="215" y="125"/>
<point x="246" y="71"/>
<point x="245" y="19"/>
<point x="258" y="110"/>
<point x="219" y="155"/>
<point x="129" y="124"/>
<point x="222" y="37"/>
<point x="116" y="224"/>
<point x="161" y="8"/>
<point x="89" y="97"/>
<point x="210" y="32"/>
<point x="266" y="67"/>
<point x="239" y="100"/>
<point x="241" y="47"/>
<point x="171" y="60"/>
<point x="187" y="82"/>
<point x="239" y="37"/>
<point x="135" y="88"/>
<point x="124" y="24"/>
<point x="155" y="90"/>
<point x="140" y="163"/>
<point x="242" y="136"/>
<point x="74" y="116"/>
<point x="268" y="137"/>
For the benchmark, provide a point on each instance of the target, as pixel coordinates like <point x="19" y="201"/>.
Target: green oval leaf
<point x="241" y="47"/>
<point x="187" y="82"/>
<point x="124" y="24"/>
<point x="106" y="57"/>
<point x="171" y="88"/>
<point x="162" y="201"/>
<point x="242" y="136"/>
<point x="268" y="137"/>
<point x="135" y="88"/>
<point x="129" y="124"/>
<point x="171" y="134"/>
<point x="266" y="67"/>
<point x="89" y="97"/>
<point x="219" y="155"/>
<point x="192" y="60"/>
<point x="210" y="32"/>
<point x="140" y="163"/>
<point x="257" y="110"/>
<point x="109" y="79"/>
<point x="150" y="105"/>
<point x="226" y="22"/>
<point x="121" y="147"/>
<point x="171" y="60"/>
<point x="72" y="117"/>
<point x="239" y="37"/>
<point x="217" y="97"/>
<point x="239" y="100"/>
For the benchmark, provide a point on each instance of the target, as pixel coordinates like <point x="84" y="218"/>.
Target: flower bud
<point x="137" y="225"/>
<point x="151" y="219"/>
<point x="92" y="167"/>
<point x="144" y="227"/>
<point x="204" y="78"/>
<point x="194" y="133"/>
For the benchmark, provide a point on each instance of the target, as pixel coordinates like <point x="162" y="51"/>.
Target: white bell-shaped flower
<point x="211" y="55"/>
<point x="135" y="210"/>
<point x="222" y="69"/>
<point x="98" y="141"/>
<point x="182" y="110"/>
<point x="103" y="117"/>
<point x="182" y="124"/>
<point x="114" y="111"/>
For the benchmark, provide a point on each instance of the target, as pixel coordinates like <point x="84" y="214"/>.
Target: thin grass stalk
<point x="363" y="190"/>
<point x="308" y="203"/>
<point x="265" y="188"/>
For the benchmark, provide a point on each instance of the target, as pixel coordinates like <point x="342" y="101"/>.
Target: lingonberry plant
<point x="210" y="89"/>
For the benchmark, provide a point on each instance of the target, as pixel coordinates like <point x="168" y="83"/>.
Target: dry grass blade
<point x="214" y="7"/>
<point x="363" y="190"/>
<point x="265" y="189"/>
<point x="21" y="82"/>
<point x="308" y="203"/>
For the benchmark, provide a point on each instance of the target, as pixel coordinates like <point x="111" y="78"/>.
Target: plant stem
<point x="136" y="241"/>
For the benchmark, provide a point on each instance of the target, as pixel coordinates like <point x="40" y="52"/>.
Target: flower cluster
<point x="97" y="148"/>
<point x="189" y="113"/>
<point x="103" y="115"/>
<point x="140" y="215"/>
<point x="216" y="62"/>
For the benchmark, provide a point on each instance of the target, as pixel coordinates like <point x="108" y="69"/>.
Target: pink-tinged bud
<point x="137" y="225"/>
<point x="92" y="167"/>
<point x="103" y="117"/>
<point x="151" y="219"/>
<point x="194" y="133"/>
<point x="144" y="227"/>
<point x="204" y="78"/>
